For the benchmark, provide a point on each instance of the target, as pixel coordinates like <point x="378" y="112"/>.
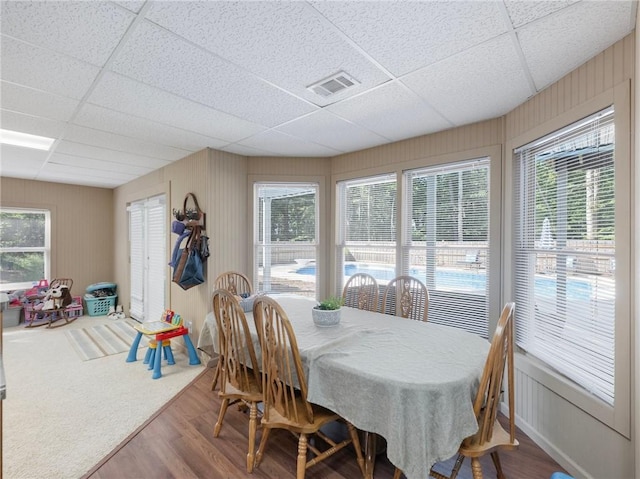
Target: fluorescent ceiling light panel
<point x="26" y="140"/>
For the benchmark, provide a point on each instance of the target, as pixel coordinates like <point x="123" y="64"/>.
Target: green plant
<point x="330" y="303"/>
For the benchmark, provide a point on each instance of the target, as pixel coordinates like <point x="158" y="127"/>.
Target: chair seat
<point x="321" y="416"/>
<point x="252" y="393"/>
<point x="499" y="440"/>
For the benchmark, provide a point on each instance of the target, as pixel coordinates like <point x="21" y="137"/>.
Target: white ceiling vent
<point x="333" y="84"/>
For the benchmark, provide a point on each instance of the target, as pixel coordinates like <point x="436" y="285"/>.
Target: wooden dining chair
<point x="284" y="387"/>
<point x="491" y="436"/>
<point x="361" y="291"/>
<point x="406" y="296"/>
<point x="239" y="377"/>
<point x="237" y="284"/>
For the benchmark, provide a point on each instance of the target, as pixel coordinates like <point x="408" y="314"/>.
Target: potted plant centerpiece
<point x="327" y="312"/>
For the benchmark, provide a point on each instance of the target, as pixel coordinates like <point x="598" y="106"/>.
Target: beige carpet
<point x="62" y="415"/>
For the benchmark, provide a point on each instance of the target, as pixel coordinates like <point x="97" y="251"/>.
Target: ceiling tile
<point x="159" y="58"/>
<point x="61" y="170"/>
<point x="245" y="150"/>
<point x="44" y="70"/>
<point x="392" y="111"/>
<point x="123" y="94"/>
<point x="35" y="102"/>
<point x="31" y="124"/>
<point x="453" y="85"/>
<point x="139" y="163"/>
<point x="252" y="34"/>
<point x="404" y="36"/>
<point x="159" y="154"/>
<point x="88" y="31"/>
<point x="573" y="28"/>
<point x="103" y="119"/>
<point x="116" y="162"/>
<point x="327" y="129"/>
<point x="21" y="162"/>
<point x="282" y="144"/>
<point x="131" y="5"/>
<point x="84" y="176"/>
<point x="525" y="12"/>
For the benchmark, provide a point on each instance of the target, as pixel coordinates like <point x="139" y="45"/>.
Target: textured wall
<point x="81" y="227"/>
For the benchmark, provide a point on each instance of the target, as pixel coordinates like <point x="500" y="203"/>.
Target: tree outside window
<point x="24" y="247"/>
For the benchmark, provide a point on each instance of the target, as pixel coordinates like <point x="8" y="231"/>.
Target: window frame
<point x="618" y="416"/>
<point x="46" y="249"/>
<point x="258" y="244"/>
<point x="460" y="298"/>
<point x="341" y="242"/>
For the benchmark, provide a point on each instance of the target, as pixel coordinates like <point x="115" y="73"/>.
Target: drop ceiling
<point x="127" y="87"/>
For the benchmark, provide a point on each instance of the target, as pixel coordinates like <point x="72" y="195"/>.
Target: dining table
<point x="411" y="382"/>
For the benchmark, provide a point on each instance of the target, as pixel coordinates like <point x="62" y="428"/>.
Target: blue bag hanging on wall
<point x="192" y="274"/>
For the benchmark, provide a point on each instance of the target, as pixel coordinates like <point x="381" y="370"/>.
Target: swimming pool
<point x="470" y="281"/>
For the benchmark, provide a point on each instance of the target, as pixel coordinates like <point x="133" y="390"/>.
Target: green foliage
<point x="331" y="303"/>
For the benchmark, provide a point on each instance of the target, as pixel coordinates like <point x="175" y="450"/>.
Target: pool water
<point x="471" y="281"/>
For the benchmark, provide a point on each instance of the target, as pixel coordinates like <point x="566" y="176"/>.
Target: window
<point x="367" y="228"/>
<point x="286" y="237"/>
<point x="446" y="241"/>
<point x="24" y="247"/>
<point x="565" y="251"/>
<point x="148" y="258"/>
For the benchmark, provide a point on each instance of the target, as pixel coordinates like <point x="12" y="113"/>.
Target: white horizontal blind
<point x="366" y="239"/>
<point x="156" y="227"/>
<point x="286" y="237"/>
<point x="446" y="242"/>
<point x="148" y="257"/>
<point x="136" y="259"/>
<point x="565" y="252"/>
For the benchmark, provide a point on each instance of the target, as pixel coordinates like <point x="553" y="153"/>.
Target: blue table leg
<point x="157" y="361"/>
<point x="133" y="352"/>
<point x="148" y="356"/>
<point x="193" y="356"/>
<point x="169" y="354"/>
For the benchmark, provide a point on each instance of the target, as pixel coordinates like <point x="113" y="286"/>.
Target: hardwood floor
<point x="178" y="442"/>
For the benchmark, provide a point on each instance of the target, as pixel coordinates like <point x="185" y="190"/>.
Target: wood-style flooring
<point x="178" y="442"/>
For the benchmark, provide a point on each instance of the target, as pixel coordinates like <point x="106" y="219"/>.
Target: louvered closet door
<point x="148" y="258"/>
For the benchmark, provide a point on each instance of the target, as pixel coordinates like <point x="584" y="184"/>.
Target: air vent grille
<point x="334" y="84"/>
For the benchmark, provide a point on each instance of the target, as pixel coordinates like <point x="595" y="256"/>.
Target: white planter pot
<point x="326" y="318"/>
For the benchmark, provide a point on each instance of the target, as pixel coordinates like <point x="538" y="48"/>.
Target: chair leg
<point x="496" y="463"/>
<point x="223" y="410"/>
<point x="476" y="468"/>
<point x="263" y="443"/>
<point x="457" y="466"/>
<point x="253" y="426"/>
<point x="216" y="374"/>
<point x="301" y="468"/>
<point x="356" y="445"/>
<point x="397" y="473"/>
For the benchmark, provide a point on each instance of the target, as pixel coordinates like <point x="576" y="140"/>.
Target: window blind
<point x="286" y="237"/>
<point x="565" y="251"/>
<point x="366" y="239"/>
<point x="446" y="241"/>
<point x="136" y="260"/>
<point x="148" y="258"/>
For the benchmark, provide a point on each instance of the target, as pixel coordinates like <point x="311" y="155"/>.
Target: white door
<point x="148" y="258"/>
